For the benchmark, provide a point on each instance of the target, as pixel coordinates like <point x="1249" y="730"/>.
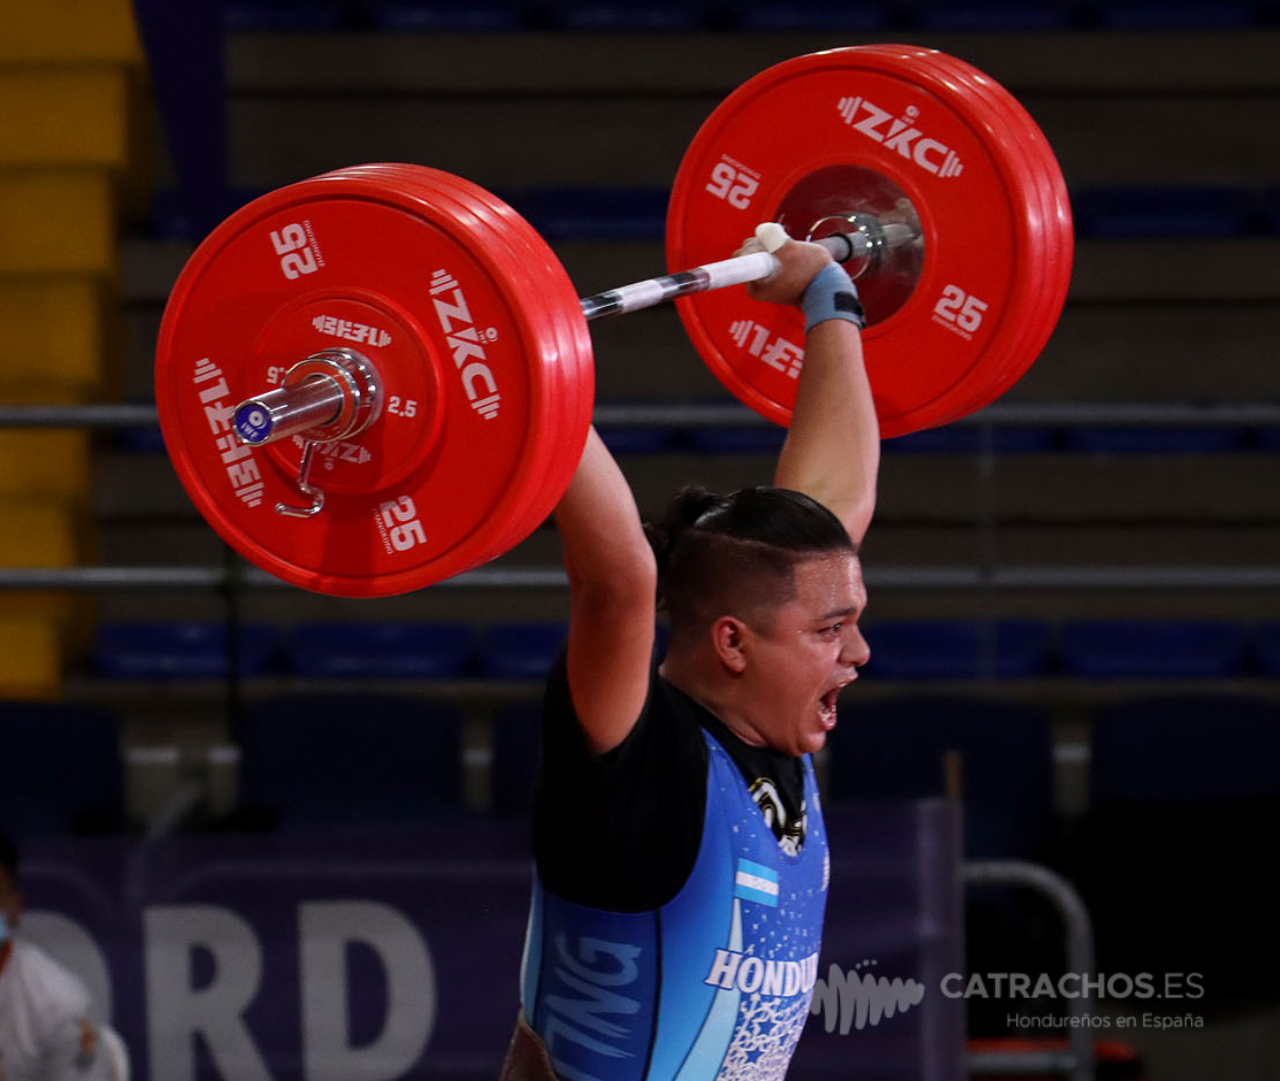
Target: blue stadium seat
<point x="178" y="650"/>
<point x="516" y="738"/>
<point x="1184" y="804"/>
<point x="1166" y="211"/>
<point x="520" y="650"/>
<point x="441" y="15"/>
<point x="762" y="439"/>
<point x="382" y="650"/>
<point x="1184" y="749"/>
<point x="640" y="440"/>
<point x="1271" y="199"/>
<point x="146" y="439"/>
<point x="1176" y="14"/>
<point x="1154" y="440"/>
<point x="1266" y="649"/>
<point x="958" y="649"/>
<point x="1268" y="439"/>
<point x="1153" y="649"/>
<point x="777" y="15"/>
<point x="62" y="769"/>
<point x="970" y="439"/>
<point x="895" y="750"/>
<point x="168" y="218"/>
<point x="992" y="15"/>
<point x="620" y="15"/>
<point x="322" y="760"/>
<point x="283" y="15"/>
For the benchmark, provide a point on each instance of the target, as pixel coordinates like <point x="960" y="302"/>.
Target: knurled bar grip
<point x="736" y="271"/>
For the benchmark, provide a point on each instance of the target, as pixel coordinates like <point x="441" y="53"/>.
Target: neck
<point x="716" y="691"/>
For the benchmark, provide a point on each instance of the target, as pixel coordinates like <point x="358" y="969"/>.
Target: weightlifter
<point x="682" y="863"/>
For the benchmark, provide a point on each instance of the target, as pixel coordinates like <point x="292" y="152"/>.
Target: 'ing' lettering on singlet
<point x="599" y="968"/>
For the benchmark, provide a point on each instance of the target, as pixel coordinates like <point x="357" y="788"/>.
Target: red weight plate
<point x="1047" y="274"/>
<point x="569" y="387"/>
<point x="574" y="403"/>
<point x="1054" y="260"/>
<point x="570" y="391"/>
<point x="1047" y="271"/>
<point x="410" y="276"/>
<point x="904" y="139"/>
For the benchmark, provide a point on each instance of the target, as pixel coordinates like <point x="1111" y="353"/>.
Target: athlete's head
<point x="737" y="554"/>
<point x="763" y="589"/>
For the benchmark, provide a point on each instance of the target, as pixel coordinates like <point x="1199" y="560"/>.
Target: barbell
<point x="381" y="377"/>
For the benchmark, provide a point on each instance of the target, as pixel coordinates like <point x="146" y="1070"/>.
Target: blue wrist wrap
<point x="831" y="295"/>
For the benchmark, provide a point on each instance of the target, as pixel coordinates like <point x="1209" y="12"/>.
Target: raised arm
<point x="612" y="586"/>
<point x="832" y="450"/>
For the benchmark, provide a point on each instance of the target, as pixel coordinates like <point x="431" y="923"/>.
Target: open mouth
<point x="827" y="707"/>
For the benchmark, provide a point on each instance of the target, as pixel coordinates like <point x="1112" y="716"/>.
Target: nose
<point x="855" y="652"/>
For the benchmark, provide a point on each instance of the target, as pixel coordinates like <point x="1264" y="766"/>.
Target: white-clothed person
<point x="47" y="1028"/>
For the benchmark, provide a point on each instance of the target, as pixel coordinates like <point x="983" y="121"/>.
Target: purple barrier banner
<point x="395" y="953"/>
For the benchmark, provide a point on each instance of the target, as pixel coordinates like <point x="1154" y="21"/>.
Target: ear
<point x="728" y="639"/>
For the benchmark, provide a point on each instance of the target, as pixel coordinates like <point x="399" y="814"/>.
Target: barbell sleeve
<point x="289" y="410"/>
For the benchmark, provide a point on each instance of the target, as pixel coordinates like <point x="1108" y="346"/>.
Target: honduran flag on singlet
<point x="715" y="984"/>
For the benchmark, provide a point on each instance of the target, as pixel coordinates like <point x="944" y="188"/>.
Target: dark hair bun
<point x="683" y="513"/>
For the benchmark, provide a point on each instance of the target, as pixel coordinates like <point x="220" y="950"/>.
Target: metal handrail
<point x="733" y="415"/>
<point x="1077" y="1062"/>
<point x="902" y="579"/>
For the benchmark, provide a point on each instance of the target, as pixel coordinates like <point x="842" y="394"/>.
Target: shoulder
<point x="50" y="997"/>
<point x="48" y="982"/>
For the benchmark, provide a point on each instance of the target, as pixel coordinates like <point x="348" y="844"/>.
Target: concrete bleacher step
<point x="57" y="221"/>
<point x="65" y="116"/>
<point x="31" y="658"/>
<point x="714" y="63"/>
<point x="45" y="463"/>
<point x="1150" y="488"/>
<point x="44" y="530"/>
<point x="70" y="31"/>
<point x="1096" y="489"/>
<point x="58" y="338"/>
<point x="947" y="648"/>
<point x="1156" y="351"/>
<point x="41" y="530"/>
<point x="640" y="140"/>
<point x="627" y="117"/>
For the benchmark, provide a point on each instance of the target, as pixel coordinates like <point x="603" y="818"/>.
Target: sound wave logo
<point x="850" y="999"/>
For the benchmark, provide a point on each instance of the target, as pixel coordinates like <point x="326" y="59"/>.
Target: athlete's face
<point x="812" y="651"/>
